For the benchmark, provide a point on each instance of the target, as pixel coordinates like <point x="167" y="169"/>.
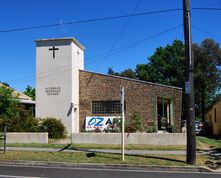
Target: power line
<point x="117" y="39"/>
<point x="88" y="20"/>
<point x="207" y="8"/>
<point x="113" y="52"/>
<point x="205" y="31"/>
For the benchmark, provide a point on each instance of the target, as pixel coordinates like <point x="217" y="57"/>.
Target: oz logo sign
<point x="102" y="123"/>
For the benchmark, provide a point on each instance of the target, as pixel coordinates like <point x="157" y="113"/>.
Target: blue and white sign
<point x="101" y="122"/>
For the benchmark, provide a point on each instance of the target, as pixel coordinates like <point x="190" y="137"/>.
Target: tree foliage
<point x="135" y="123"/>
<point x="30" y="92"/>
<point x="207" y="58"/>
<point x="128" y="73"/>
<point x="13" y="114"/>
<point x="17" y="118"/>
<point x="7" y="101"/>
<point x="54" y="127"/>
<point x="167" y="66"/>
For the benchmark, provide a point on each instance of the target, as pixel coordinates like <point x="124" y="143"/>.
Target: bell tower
<point x="58" y="62"/>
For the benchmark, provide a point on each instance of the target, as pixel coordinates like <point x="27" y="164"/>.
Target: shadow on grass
<point x="92" y="153"/>
<point x="65" y="148"/>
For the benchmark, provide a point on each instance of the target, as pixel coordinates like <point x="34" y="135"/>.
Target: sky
<point x="100" y="38"/>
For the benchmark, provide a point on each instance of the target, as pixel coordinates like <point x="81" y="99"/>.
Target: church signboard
<point x="52" y="90"/>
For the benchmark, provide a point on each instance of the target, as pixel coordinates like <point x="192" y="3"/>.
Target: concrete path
<point x="132" y="152"/>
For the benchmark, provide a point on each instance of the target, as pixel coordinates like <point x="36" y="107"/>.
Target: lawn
<point x="99" y="158"/>
<point x="106" y="158"/>
<point x="202" y="143"/>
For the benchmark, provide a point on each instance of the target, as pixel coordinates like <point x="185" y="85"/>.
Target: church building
<point x="84" y="100"/>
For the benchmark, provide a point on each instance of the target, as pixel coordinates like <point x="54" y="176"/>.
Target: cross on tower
<point x="53" y="49"/>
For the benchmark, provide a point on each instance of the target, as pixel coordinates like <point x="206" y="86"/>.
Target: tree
<point x="167" y="66"/>
<point x="7" y="101"/>
<point x="30" y="92"/>
<point x="129" y="73"/>
<point x="13" y="114"/>
<point x="207" y="74"/>
<point x="54" y="127"/>
<point x="111" y="72"/>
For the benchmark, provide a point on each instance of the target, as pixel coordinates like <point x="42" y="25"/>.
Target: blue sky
<point x="17" y="49"/>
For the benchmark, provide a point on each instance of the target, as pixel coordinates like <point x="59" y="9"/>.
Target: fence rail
<point x="3" y="138"/>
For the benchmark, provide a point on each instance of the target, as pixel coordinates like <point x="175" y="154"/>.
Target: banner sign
<point x="102" y="122"/>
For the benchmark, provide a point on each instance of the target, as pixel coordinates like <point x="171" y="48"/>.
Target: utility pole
<point x="189" y="86"/>
<point x="122" y="122"/>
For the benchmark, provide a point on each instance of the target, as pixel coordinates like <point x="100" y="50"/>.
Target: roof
<point x="134" y="80"/>
<point x="74" y="40"/>
<point x="215" y="102"/>
<point x="23" y="98"/>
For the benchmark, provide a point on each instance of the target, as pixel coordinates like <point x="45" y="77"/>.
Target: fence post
<point x="5" y="130"/>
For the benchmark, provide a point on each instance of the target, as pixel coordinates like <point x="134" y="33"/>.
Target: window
<point x="215" y="115"/>
<point x="106" y="107"/>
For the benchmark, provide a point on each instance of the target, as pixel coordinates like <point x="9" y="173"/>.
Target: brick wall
<point x="138" y="96"/>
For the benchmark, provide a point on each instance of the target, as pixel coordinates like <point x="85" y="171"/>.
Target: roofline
<point x="74" y="40"/>
<point x="134" y="80"/>
<point x="26" y="101"/>
<point x="211" y="107"/>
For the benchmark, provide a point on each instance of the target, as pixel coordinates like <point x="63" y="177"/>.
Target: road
<point x="62" y="172"/>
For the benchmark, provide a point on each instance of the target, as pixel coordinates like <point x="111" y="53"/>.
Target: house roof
<point x="23" y="98"/>
<point x="215" y="102"/>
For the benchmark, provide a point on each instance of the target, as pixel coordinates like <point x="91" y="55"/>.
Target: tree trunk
<point x="203" y="102"/>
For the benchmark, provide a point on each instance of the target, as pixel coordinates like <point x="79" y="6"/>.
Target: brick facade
<point x="140" y="96"/>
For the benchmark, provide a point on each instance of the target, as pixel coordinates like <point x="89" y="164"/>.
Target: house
<point x="85" y="100"/>
<point x="214" y="118"/>
<point x="22" y="98"/>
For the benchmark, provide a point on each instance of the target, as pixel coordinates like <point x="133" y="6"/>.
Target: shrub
<point x="151" y="130"/>
<point x="21" y="120"/>
<point x="135" y="123"/>
<point x="54" y="127"/>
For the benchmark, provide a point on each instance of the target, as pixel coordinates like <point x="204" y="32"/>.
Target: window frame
<point x="109" y="107"/>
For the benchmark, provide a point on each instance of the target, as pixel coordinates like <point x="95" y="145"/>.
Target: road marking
<point x="115" y="170"/>
<point x="11" y="176"/>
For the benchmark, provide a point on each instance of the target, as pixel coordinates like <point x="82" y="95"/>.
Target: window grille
<point x="106" y="107"/>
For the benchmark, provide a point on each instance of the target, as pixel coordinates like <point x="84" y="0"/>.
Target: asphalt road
<point x="62" y="172"/>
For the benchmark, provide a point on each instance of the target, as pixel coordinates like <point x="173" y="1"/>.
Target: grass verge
<point x="205" y="142"/>
<point x="96" y="146"/>
<point x="202" y="143"/>
<point x="101" y="158"/>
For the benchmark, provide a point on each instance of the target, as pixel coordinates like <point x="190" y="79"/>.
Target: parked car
<point x="199" y="127"/>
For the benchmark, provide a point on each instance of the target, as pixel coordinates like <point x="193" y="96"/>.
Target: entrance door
<point x="164" y="114"/>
